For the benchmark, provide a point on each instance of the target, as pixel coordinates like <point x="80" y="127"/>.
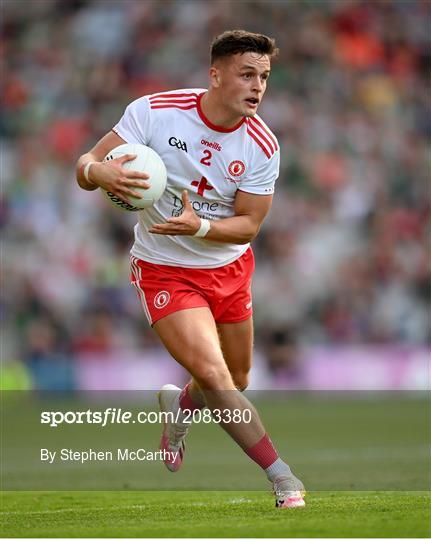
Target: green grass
<point x="379" y="443"/>
<point x="214" y="514"/>
<point x="365" y="461"/>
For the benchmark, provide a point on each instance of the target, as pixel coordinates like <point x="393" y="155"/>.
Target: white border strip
<point x="137" y="275"/>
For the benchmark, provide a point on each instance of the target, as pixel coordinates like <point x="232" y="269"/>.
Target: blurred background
<point x="341" y="290"/>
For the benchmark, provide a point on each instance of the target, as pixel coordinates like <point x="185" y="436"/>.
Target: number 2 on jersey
<point x="206" y="159"/>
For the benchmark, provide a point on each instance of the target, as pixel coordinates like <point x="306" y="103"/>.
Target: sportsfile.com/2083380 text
<point x="113" y="415"/>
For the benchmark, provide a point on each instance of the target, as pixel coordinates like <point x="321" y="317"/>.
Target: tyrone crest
<point x="236" y="168"/>
<point x="161" y="299"/>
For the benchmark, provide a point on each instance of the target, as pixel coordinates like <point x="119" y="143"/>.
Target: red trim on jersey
<point x="174" y="106"/>
<point x="254" y="130"/>
<point x="116" y="133"/>
<point x="253" y="126"/>
<point x="259" y="142"/>
<point x="267" y="131"/>
<point x="182" y="100"/>
<point x="214" y="126"/>
<point x="170" y="95"/>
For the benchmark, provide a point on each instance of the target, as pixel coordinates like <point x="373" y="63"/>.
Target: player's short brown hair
<point x="240" y="41"/>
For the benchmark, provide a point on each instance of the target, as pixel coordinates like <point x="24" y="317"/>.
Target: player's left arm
<point x="250" y="211"/>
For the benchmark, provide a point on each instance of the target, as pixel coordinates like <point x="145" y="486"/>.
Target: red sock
<point x="186" y="401"/>
<point x="263" y="452"/>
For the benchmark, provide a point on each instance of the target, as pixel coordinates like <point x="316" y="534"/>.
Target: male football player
<point x="191" y="260"/>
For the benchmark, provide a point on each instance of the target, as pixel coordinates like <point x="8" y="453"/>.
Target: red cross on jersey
<point x="202" y="185"/>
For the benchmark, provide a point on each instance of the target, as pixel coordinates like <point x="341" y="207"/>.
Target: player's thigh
<point x="191" y="337"/>
<point x="237" y="345"/>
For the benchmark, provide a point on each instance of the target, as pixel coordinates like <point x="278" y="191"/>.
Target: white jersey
<point x="210" y="162"/>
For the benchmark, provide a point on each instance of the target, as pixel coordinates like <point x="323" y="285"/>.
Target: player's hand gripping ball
<point x="148" y="161"/>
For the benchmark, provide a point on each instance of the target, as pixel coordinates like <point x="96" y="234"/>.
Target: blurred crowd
<point x="342" y="257"/>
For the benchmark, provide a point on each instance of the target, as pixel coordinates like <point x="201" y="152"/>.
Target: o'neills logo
<point x="214" y="145"/>
<point x="236" y="168"/>
<point x="161" y="299"/>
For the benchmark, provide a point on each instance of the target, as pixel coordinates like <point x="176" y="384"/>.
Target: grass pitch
<point x="214" y="514"/>
<point x="366" y="464"/>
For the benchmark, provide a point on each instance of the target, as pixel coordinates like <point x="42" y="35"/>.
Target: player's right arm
<point x="111" y="175"/>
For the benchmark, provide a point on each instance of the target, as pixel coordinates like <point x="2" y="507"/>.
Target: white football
<point x="148" y="161"/>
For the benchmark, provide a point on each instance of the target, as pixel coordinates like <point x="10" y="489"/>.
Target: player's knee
<point x="241" y="380"/>
<point x="212" y="378"/>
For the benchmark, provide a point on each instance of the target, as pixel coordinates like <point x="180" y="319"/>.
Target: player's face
<point x="242" y="82"/>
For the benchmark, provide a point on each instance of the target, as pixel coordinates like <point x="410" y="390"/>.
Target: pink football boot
<point x="174" y="433"/>
<point x="289" y="492"/>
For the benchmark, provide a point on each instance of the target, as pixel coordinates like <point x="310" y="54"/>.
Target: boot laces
<point x="177" y="432"/>
<point x="287" y="486"/>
